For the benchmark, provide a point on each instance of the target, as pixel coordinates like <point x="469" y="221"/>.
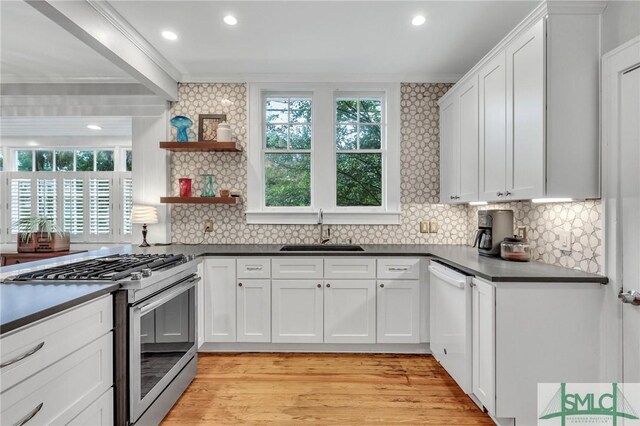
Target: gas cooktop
<point x="108" y="268"/>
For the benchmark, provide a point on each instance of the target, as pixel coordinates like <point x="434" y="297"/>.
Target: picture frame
<point x="208" y="126"/>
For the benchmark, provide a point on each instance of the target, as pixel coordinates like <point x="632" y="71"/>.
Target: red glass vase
<point x="185" y="187"/>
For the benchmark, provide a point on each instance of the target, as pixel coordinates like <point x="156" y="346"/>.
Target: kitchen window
<point x="88" y="192"/>
<point x="328" y="147"/>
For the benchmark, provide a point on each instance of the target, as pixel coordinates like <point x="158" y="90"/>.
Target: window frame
<point x="324" y="154"/>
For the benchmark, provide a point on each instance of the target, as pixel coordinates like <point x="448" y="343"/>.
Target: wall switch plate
<point x="424" y="227"/>
<point x="208" y="225"/>
<point x="565" y="240"/>
<point x="433" y="227"/>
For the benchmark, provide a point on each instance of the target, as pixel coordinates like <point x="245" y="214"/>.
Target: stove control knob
<point x="146" y="272"/>
<point x="136" y="276"/>
<point x="190" y="257"/>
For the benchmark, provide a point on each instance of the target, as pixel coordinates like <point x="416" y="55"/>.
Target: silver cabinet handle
<point x="396" y="269"/>
<point x="23" y="356"/>
<point x="499" y="194"/>
<point x="507" y="194"/>
<point x="631" y="296"/>
<point x="254" y="268"/>
<point x="452" y="197"/>
<point x="31" y="415"/>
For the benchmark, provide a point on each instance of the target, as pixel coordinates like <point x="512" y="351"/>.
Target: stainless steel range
<point x="155" y="330"/>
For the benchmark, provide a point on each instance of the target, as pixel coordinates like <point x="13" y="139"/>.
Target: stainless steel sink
<point x="322" y="247"/>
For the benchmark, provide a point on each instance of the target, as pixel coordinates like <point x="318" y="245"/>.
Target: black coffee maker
<point x="493" y="227"/>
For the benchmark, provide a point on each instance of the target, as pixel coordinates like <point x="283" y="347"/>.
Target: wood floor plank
<point x="323" y="389"/>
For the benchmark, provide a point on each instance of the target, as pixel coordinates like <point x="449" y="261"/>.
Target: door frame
<point x="614" y="64"/>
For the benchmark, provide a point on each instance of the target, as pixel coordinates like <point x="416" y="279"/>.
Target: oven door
<point x="162" y="341"/>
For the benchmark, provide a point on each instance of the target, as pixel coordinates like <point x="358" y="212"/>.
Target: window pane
<point x="288" y="180"/>
<point x="64" y="161"/>
<point x="346" y="111"/>
<point x="24" y="161"/>
<point x="277" y="110"/>
<point x="44" y="161"/>
<point x="104" y="161"/>
<point x="346" y="136"/>
<point x="300" y="111"/>
<point x="84" y="161"/>
<point x="369" y="136"/>
<point x="129" y="160"/>
<point x="73" y="205"/>
<point x="359" y="180"/>
<point x="100" y="206"/>
<point x="301" y="137"/>
<point x="277" y="136"/>
<point x="1" y="162"/>
<point x="370" y="110"/>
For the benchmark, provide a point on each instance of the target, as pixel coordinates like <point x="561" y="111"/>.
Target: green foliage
<point x="84" y="161"/>
<point x="129" y="160"/>
<point x="24" y="161"/>
<point x="288" y="180"/>
<point x="104" y="161"/>
<point x="64" y="161"/>
<point x="27" y="226"/>
<point x="359" y="180"/>
<point x="44" y="161"/>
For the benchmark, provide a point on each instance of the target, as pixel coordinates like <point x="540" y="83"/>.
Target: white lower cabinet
<point x="297" y="311"/>
<point x="99" y="413"/>
<point x="398" y="318"/>
<point x="254" y="310"/>
<point x="220" y="300"/>
<point x="484" y="368"/>
<point x="350" y="311"/>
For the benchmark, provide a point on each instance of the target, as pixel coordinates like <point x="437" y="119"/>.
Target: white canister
<point x="224" y="132"/>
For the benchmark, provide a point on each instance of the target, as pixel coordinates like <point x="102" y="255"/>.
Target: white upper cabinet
<point x="537" y="113"/>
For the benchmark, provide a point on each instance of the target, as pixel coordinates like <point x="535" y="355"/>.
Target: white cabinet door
<point x="254" y="310"/>
<point x="350" y="311"/>
<point x="468" y="141"/>
<point x="449" y="150"/>
<point x="171" y="323"/>
<point x="483" y="311"/>
<point x="398" y="316"/>
<point x="220" y="300"/>
<point x="525" y="114"/>
<point x="297" y="311"/>
<point x="99" y="413"/>
<point x="493" y="132"/>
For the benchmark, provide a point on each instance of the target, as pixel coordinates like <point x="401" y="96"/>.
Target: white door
<point x="172" y="320"/>
<point x="350" y="311"/>
<point x="483" y="313"/>
<point x="448" y="150"/>
<point x="525" y="114"/>
<point x="398" y="303"/>
<point x="296" y="311"/>
<point x="468" y="141"/>
<point x="630" y="208"/>
<point x="254" y="310"/>
<point x="493" y="132"/>
<point x="220" y="300"/>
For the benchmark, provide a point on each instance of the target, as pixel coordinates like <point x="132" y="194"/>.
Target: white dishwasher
<point x="450" y="307"/>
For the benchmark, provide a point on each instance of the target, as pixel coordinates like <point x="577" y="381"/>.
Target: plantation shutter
<point x="20" y="201"/>
<point x="73" y="205"/>
<point x="99" y="206"/>
<point x="47" y="198"/>
<point x="127" y="204"/>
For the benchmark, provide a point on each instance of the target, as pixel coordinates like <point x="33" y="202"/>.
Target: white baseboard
<point x="422" y="348"/>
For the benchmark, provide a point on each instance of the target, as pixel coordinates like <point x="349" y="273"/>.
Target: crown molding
<point x="318" y="78"/>
<point x="123" y="26"/>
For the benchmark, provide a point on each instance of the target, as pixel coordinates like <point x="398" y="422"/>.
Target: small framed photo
<point x="208" y="126"/>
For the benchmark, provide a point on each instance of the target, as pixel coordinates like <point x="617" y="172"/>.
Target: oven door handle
<point x="164" y="297"/>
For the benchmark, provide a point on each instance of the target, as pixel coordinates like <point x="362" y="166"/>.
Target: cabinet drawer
<point x="349" y="268"/>
<point x="399" y="268"/>
<point x="297" y="267"/>
<point x="52" y="339"/>
<point x="99" y="413"/>
<point x="254" y="267"/>
<point x="63" y="390"/>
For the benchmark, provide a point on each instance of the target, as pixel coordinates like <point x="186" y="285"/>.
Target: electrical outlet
<point x="424" y="226"/>
<point x="433" y="227"/>
<point x="208" y="225"/>
<point x="565" y="240"/>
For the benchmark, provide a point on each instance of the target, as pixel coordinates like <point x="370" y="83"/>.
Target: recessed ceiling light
<point x="33" y="143"/>
<point x="418" y="20"/>
<point x="230" y="20"/>
<point x="169" y="35"/>
<point x="94" y="127"/>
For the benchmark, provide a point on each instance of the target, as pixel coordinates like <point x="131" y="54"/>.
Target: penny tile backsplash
<point x="420" y="187"/>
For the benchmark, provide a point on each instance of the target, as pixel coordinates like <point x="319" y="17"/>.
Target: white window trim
<point x="323" y="165"/>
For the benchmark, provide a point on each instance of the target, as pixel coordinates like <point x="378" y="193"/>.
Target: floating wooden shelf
<point x="202" y="146"/>
<point x="201" y="200"/>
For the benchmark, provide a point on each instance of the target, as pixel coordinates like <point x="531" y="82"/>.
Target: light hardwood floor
<point x="338" y="389"/>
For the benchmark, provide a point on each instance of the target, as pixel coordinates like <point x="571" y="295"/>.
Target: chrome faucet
<point x="321" y="239"/>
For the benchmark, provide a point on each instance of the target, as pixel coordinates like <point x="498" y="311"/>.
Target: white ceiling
<point x="34" y="49"/>
<point x="357" y="40"/>
<point x="32" y="127"/>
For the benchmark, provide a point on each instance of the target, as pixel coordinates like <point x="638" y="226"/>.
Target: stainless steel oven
<point x="162" y="341"/>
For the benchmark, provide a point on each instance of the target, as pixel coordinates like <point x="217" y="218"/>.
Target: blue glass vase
<point x="182" y="124"/>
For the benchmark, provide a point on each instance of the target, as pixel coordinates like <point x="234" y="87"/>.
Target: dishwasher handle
<point x="459" y="283"/>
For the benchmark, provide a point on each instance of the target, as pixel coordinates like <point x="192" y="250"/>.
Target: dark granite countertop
<point x="22" y="304"/>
